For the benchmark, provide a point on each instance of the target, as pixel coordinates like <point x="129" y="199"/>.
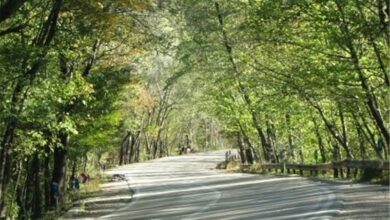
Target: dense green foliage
<point x="84" y="83"/>
<point x="305" y="77"/>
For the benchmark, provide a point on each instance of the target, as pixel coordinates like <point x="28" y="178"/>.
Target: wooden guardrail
<point x="337" y="167"/>
<point x="369" y="167"/>
<point x="352" y="164"/>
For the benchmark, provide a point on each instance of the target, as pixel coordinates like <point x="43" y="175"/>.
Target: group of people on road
<point x="186" y="147"/>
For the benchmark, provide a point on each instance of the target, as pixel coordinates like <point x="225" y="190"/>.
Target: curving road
<point x="189" y="187"/>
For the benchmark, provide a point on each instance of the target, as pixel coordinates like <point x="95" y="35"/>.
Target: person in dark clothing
<point x="75" y="184"/>
<point x="55" y="191"/>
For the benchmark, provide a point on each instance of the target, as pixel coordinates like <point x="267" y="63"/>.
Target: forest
<point x="91" y="82"/>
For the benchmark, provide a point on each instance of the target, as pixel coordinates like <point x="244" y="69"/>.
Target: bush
<point x="233" y="166"/>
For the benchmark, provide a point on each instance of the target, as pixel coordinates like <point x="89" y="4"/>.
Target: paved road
<point x="189" y="187"/>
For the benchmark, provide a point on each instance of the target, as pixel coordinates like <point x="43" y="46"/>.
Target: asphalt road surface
<point x="189" y="187"/>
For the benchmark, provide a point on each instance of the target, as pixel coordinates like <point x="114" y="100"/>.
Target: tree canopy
<point x="84" y="83"/>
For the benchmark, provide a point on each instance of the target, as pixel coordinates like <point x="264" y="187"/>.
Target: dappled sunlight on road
<point x="189" y="187"/>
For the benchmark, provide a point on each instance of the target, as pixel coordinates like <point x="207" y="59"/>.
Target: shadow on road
<point x="189" y="187"/>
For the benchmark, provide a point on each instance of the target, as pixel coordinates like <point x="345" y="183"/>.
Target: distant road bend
<point x="189" y="187"/>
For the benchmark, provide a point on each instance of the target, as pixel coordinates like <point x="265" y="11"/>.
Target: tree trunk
<point x="321" y="146"/>
<point x="362" y="147"/>
<point x="337" y="157"/>
<point x="302" y="159"/>
<point x="43" y="39"/>
<point x="132" y="148"/>
<point x="27" y="190"/>
<point x="37" y="197"/>
<point x="5" y="147"/>
<point x="126" y="154"/>
<point x="375" y="47"/>
<point x="271" y="139"/>
<point x="47" y="177"/>
<point x="267" y="148"/>
<point x="123" y="148"/>
<point x="59" y="168"/>
<point x="365" y="129"/>
<point x="332" y="128"/>
<point x="290" y="136"/>
<point x="154" y="148"/>
<point x="373" y="106"/>
<point x="137" y="145"/>
<point x="147" y="147"/>
<point x="248" y="142"/>
<point x="16" y="186"/>
<point x="91" y="60"/>
<point x="241" y="148"/>
<point x="345" y="135"/>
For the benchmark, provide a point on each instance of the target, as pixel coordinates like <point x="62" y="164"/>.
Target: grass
<point x="90" y="189"/>
<point x="233" y="166"/>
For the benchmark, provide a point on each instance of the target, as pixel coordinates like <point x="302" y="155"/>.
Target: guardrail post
<point x="355" y="173"/>
<point x="348" y="173"/>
